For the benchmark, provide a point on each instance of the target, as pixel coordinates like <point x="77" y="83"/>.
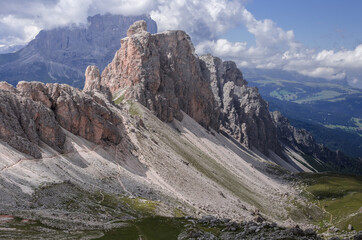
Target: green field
<point x="340" y="196"/>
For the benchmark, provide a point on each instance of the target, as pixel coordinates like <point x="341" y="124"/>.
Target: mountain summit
<point x="165" y="75"/>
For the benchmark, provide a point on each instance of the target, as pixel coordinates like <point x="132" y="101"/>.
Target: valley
<point x="331" y="111"/>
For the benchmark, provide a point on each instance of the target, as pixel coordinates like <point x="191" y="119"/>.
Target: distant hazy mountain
<point x="330" y="110"/>
<point x="10" y="49"/>
<point x="62" y="54"/>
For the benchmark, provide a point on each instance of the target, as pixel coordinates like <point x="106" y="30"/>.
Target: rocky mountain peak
<point x="244" y="115"/>
<point x="137" y="27"/>
<point x="162" y="73"/>
<point x="92" y="79"/>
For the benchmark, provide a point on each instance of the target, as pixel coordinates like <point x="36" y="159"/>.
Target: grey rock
<point x="309" y="232"/>
<point x="350" y="227"/>
<point x="24" y="123"/>
<point x="35" y="112"/>
<point x="137" y="27"/>
<point x="358" y="236"/>
<point x="244" y="115"/>
<point x="302" y="141"/>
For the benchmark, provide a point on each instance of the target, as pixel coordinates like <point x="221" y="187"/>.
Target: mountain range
<point x="162" y="131"/>
<point x="62" y="54"/>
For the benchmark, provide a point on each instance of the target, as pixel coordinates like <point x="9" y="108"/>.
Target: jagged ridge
<point x="34" y="112"/>
<point x="163" y="73"/>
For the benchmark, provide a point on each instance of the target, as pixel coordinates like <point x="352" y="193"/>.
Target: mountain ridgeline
<point x="62" y="54"/>
<point x="168" y="78"/>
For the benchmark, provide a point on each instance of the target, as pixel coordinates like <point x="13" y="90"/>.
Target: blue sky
<point x="318" y="24"/>
<point x="319" y="38"/>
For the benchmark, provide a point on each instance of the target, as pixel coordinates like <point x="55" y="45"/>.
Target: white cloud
<point x="277" y="48"/>
<point x="21" y="20"/>
<point x="202" y="19"/>
<point x="17" y="30"/>
<point x="222" y="47"/>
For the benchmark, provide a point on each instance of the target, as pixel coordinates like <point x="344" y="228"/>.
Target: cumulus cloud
<point x="277" y="48"/>
<point x="202" y="19"/>
<point x="222" y="47"/>
<point x="21" y="20"/>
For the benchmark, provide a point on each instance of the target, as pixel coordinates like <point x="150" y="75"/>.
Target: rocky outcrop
<point x="93" y="82"/>
<point x="162" y="72"/>
<point x="137" y="27"/>
<point x="244" y="230"/>
<point x="303" y="142"/>
<point x="92" y="79"/>
<point x="298" y="139"/>
<point x="24" y="123"/>
<point x="244" y="115"/>
<point x="35" y="112"/>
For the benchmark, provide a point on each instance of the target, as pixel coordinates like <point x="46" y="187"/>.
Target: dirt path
<point x="51" y="157"/>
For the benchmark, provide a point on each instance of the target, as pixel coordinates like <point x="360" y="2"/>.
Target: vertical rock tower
<point x="163" y="73"/>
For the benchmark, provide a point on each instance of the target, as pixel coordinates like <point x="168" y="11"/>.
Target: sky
<point x="319" y="38"/>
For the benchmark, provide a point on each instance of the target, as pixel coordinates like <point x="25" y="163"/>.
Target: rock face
<point x="302" y="141"/>
<point x="299" y="139"/>
<point x="35" y="112"/>
<point x="92" y="79"/>
<point x="162" y="72"/>
<point x="93" y="82"/>
<point x="24" y="123"/>
<point x="61" y="55"/>
<point x="244" y="115"/>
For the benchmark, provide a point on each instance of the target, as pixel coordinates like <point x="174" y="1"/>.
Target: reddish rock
<point x="81" y="113"/>
<point x="137" y="27"/>
<point x="37" y="112"/>
<point x="92" y="79"/>
<point x="162" y="72"/>
<point x="24" y="123"/>
<point x="8" y="87"/>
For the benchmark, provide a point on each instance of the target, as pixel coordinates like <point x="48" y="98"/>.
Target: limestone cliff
<point x="34" y="112"/>
<point x="244" y="115"/>
<point x="303" y="142"/>
<point x="162" y="72"/>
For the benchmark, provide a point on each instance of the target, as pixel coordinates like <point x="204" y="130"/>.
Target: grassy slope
<point x="339" y="195"/>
